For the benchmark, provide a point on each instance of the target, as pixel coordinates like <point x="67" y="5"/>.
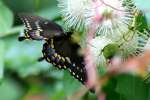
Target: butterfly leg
<point x="40" y="59"/>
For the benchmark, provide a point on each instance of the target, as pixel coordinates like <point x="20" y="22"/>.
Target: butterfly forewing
<point x="38" y="28"/>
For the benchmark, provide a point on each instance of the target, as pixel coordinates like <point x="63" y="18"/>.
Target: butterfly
<point x="38" y="28"/>
<point x="58" y="49"/>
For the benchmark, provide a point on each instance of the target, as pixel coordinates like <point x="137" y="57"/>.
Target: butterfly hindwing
<point x="67" y="48"/>
<point x="52" y="56"/>
<point x="38" y="28"/>
<point x="64" y="54"/>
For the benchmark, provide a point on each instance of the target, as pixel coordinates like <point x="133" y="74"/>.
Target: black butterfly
<point x="38" y="28"/>
<point x="59" y="48"/>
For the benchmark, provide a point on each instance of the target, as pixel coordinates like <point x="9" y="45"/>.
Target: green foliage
<point x="6" y="18"/>
<point x="132" y="88"/>
<point x="144" y="6"/>
<point x="45" y="8"/>
<point x="140" y="21"/>
<point x="70" y="84"/>
<point x="10" y="90"/>
<point x="127" y="87"/>
<point x="1" y="59"/>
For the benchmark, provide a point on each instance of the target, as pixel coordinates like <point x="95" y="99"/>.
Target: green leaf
<point x="21" y="57"/>
<point x="44" y="8"/>
<point x="140" y="21"/>
<point x="126" y="87"/>
<point x="132" y="88"/>
<point x="49" y="13"/>
<point x="109" y="89"/>
<point x="144" y="6"/>
<point x="10" y="90"/>
<point x="6" y="18"/>
<point x="13" y="30"/>
<point x="71" y="85"/>
<point x="2" y="49"/>
<point x="148" y="94"/>
<point x="57" y="95"/>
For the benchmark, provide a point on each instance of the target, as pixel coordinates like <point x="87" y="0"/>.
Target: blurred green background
<point x="23" y="78"/>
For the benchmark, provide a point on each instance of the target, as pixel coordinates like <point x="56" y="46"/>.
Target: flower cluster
<point x="116" y="22"/>
<point x="111" y="16"/>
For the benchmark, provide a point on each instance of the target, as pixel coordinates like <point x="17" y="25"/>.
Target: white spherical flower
<point x="134" y="43"/>
<point x="129" y="45"/>
<point x="111" y="16"/>
<point x="73" y="13"/>
<point x="97" y="45"/>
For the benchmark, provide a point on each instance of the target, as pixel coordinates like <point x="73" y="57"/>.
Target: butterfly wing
<point x="70" y="50"/>
<point x="38" y="28"/>
<point x="64" y="54"/>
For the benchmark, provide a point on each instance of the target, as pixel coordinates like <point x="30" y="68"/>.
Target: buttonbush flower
<point x="132" y="44"/>
<point x="113" y="21"/>
<point x="97" y="45"/>
<point x="112" y="17"/>
<point x="73" y="13"/>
